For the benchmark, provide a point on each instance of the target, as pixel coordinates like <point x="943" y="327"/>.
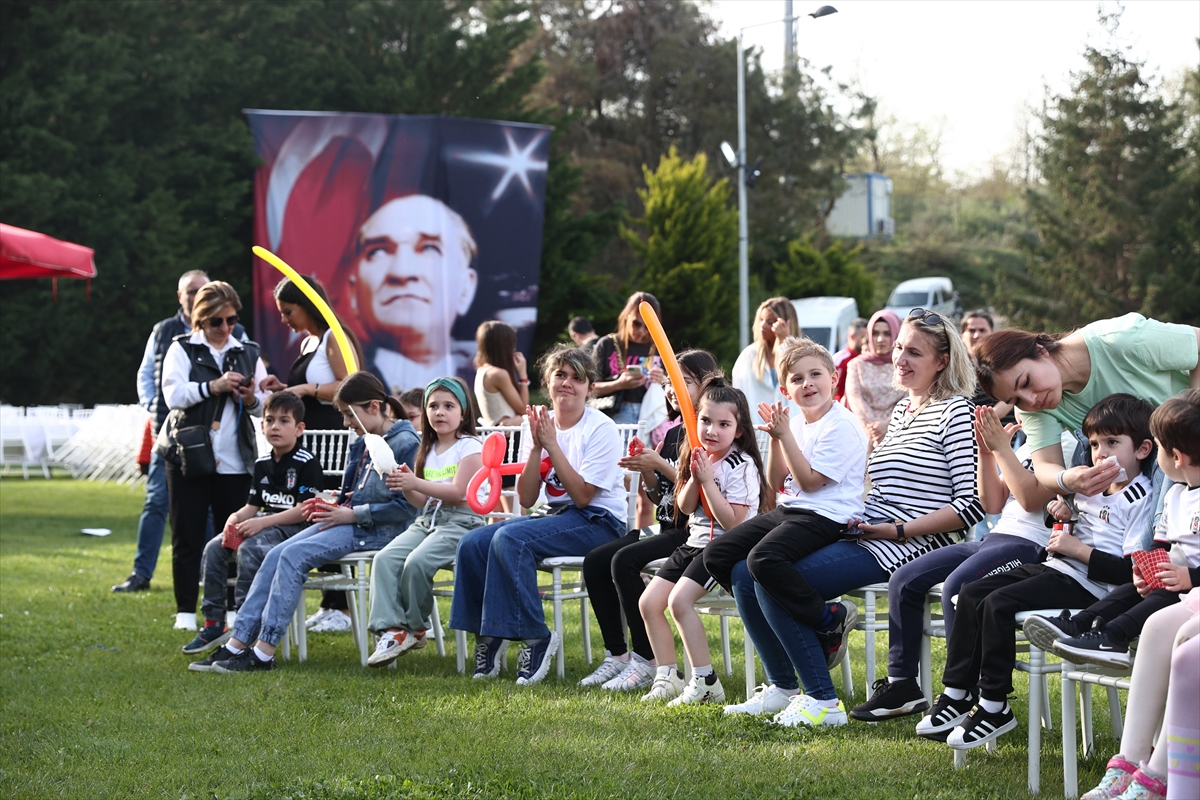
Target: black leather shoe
<point x="134" y="583"/>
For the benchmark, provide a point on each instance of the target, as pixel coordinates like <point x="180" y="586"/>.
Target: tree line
<point x="121" y="127"/>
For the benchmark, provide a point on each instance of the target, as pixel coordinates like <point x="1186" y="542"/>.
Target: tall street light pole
<point x="743" y="222"/>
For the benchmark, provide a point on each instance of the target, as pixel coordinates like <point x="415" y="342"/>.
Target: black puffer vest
<point x="163" y="333"/>
<point x="242" y="358"/>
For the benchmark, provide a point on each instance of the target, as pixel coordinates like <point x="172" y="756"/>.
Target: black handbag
<point x="610" y="404"/>
<point x="194" y="446"/>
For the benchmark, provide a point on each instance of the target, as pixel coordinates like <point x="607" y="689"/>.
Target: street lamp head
<point x="823" y="11"/>
<point x="730" y="155"/>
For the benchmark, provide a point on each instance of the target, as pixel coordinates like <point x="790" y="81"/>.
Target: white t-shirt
<point x="836" y="447"/>
<point x="1015" y="520"/>
<point x="1180" y="525"/>
<point x="1110" y="523"/>
<point x="737" y="480"/>
<point x="592" y="446"/>
<point x="443" y="468"/>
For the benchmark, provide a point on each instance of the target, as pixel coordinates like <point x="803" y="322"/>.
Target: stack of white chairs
<point x="105" y="447"/>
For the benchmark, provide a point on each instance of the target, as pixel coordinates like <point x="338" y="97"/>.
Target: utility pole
<point x="789" y="38"/>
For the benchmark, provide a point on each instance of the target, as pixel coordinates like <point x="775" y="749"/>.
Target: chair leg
<point x="1114" y="712"/>
<point x="1037" y="682"/>
<point x="870" y="645"/>
<point x="927" y="652"/>
<point x="728" y="659"/>
<point x="1085" y="714"/>
<point x="301" y="634"/>
<point x="364" y="611"/>
<point x="438" y="639"/>
<point x="586" y="626"/>
<point x="847" y="673"/>
<point x="558" y="623"/>
<point x="460" y="656"/>
<point x="751" y="667"/>
<point x="1070" y="759"/>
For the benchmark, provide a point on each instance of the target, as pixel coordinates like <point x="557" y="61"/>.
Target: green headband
<point x="453" y="387"/>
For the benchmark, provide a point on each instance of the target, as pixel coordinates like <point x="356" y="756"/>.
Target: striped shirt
<point x="925" y="462"/>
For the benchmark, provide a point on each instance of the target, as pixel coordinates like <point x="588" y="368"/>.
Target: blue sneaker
<point x="209" y="637"/>
<point x="534" y="660"/>
<point x="489" y="656"/>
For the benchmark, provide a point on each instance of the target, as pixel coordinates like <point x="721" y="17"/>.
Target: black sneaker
<point x="1044" y="632"/>
<point x="220" y="654"/>
<point x="845" y="615"/>
<point x="534" y="660"/>
<point x="134" y="583"/>
<point x="981" y="727"/>
<point x="947" y="714"/>
<point x="1094" y="647"/>
<point x="489" y="656"/>
<point x="889" y="699"/>
<point x="210" y="636"/>
<point x="244" y="661"/>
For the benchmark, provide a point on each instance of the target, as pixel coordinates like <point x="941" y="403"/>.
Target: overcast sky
<point x="973" y="63"/>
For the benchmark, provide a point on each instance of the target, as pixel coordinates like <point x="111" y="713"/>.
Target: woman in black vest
<point x="213" y="380"/>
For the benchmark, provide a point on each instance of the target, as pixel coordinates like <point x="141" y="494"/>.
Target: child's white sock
<point x="237" y="651"/>
<point x="991" y="706"/>
<point x="260" y="655"/>
<point x="703" y="672"/>
<point x="641" y="660"/>
<point x="665" y="671"/>
<point x="829" y="703"/>
<point x="954" y="694"/>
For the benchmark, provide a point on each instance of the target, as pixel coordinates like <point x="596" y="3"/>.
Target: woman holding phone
<point x="627" y="363"/>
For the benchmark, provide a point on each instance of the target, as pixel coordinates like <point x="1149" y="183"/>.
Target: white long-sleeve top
<point x="181" y="392"/>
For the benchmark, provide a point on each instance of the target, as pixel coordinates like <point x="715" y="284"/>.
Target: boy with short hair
<point x="1101" y="633"/>
<point x="817" y="463"/>
<point x="1080" y="567"/>
<point x="282" y="481"/>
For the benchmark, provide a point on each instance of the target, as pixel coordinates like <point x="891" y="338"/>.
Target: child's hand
<point x="780" y="329"/>
<point x="547" y="433"/>
<point x="254" y="526"/>
<point x="1139" y="582"/>
<point x="1058" y="509"/>
<point x="878" y="430"/>
<point x="989" y="432"/>
<point x="775" y="419"/>
<point x="1065" y="544"/>
<point x="645" y="461"/>
<point x="401" y="479"/>
<point x="701" y="467"/>
<point x="519" y="363"/>
<point x="535" y="439"/>
<point x="329" y="516"/>
<point x="1175" y="578"/>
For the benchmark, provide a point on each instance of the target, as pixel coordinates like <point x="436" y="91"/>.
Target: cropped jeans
<point x="495" y="578"/>
<point x="279" y="585"/>
<point x="788" y="647"/>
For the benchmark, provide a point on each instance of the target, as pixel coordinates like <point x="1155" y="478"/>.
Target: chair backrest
<point x="512" y="436"/>
<point x="331" y="448"/>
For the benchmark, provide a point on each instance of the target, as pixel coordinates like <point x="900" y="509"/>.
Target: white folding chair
<point x="1083" y="678"/>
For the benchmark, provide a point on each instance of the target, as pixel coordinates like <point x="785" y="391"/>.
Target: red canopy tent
<point x="26" y="254"/>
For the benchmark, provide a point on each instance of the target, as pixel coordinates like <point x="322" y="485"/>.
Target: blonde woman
<point x="754" y="370"/>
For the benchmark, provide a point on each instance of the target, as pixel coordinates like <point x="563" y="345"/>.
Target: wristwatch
<point x="900" y="537"/>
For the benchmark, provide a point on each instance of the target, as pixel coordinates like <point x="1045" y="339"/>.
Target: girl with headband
<point x="402" y="573"/>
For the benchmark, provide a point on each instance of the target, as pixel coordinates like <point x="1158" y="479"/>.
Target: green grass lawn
<point x="98" y="703"/>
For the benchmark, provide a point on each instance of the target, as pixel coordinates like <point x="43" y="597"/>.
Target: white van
<point x="932" y="294"/>
<point x="825" y="320"/>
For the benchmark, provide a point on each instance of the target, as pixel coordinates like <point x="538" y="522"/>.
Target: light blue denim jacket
<point x="380" y="514"/>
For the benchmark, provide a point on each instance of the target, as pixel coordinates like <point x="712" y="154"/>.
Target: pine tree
<point x="686" y="244"/>
<point x="810" y="272"/>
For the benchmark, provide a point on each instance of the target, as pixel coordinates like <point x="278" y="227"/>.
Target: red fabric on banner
<point x="27" y="254"/>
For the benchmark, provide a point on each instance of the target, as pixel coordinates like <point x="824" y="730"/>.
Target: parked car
<point x="932" y="294"/>
<point x="825" y="320"/>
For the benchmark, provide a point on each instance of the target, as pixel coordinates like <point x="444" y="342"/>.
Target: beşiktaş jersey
<point x="1180" y="525"/>
<point x="286" y="483"/>
<point x="443" y="467"/>
<point x="1110" y="523"/>
<point x="737" y="481"/>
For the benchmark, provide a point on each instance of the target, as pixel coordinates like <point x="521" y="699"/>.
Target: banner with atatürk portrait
<point x="419" y="228"/>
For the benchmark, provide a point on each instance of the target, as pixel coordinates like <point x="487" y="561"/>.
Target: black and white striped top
<point x="925" y="462"/>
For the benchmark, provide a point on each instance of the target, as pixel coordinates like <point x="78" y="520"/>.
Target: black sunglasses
<point x="217" y="322"/>
<point x="928" y="317"/>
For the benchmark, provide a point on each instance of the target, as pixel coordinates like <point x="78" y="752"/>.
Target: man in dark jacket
<point x="149" y="379"/>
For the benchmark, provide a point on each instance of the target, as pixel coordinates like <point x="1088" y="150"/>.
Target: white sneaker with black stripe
<point x="981" y="727"/>
<point x="946" y="715"/>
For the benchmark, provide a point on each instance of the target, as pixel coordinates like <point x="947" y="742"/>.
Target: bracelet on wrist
<point x="1062" y="484"/>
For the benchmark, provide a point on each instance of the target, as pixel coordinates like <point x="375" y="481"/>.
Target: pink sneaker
<point x="1146" y="785"/>
<point x="1115" y="781"/>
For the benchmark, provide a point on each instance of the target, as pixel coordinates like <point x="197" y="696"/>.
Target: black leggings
<point x="771" y="544"/>
<point x="189" y="502"/>
<point x="1125" y="611"/>
<point x="613" y="575"/>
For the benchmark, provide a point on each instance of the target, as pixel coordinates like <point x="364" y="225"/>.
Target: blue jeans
<point x="628" y="414"/>
<point x="153" y="521"/>
<point x="953" y="566"/>
<point x="279" y="585"/>
<point x="788" y="647"/>
<point x="495" y="577"/>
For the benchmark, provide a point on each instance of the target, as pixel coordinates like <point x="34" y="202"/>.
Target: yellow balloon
<point x="331" y="319"/>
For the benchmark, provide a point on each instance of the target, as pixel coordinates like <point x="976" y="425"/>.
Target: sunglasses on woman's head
<point x="928" y="317"/>
<point x="217" y="322"/>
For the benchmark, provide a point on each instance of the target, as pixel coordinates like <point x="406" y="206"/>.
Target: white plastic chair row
<point x="106" y="445"/>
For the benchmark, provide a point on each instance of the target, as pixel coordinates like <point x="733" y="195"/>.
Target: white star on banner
<point x="517" y="163"/>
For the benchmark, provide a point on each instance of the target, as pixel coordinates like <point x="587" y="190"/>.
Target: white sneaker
<point x="805" y="710"/>
<point x="638" y="674"/>
<point x="317" y="616"/>
<point x="334" y="622"/>
<point x="185" y="621"/>
<point x="766" y="700"/>
<point x="610" y="668"/>
<point x="665" y="687"/>
<point x="700" y="690"/>
<point x="392" y="645"/>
